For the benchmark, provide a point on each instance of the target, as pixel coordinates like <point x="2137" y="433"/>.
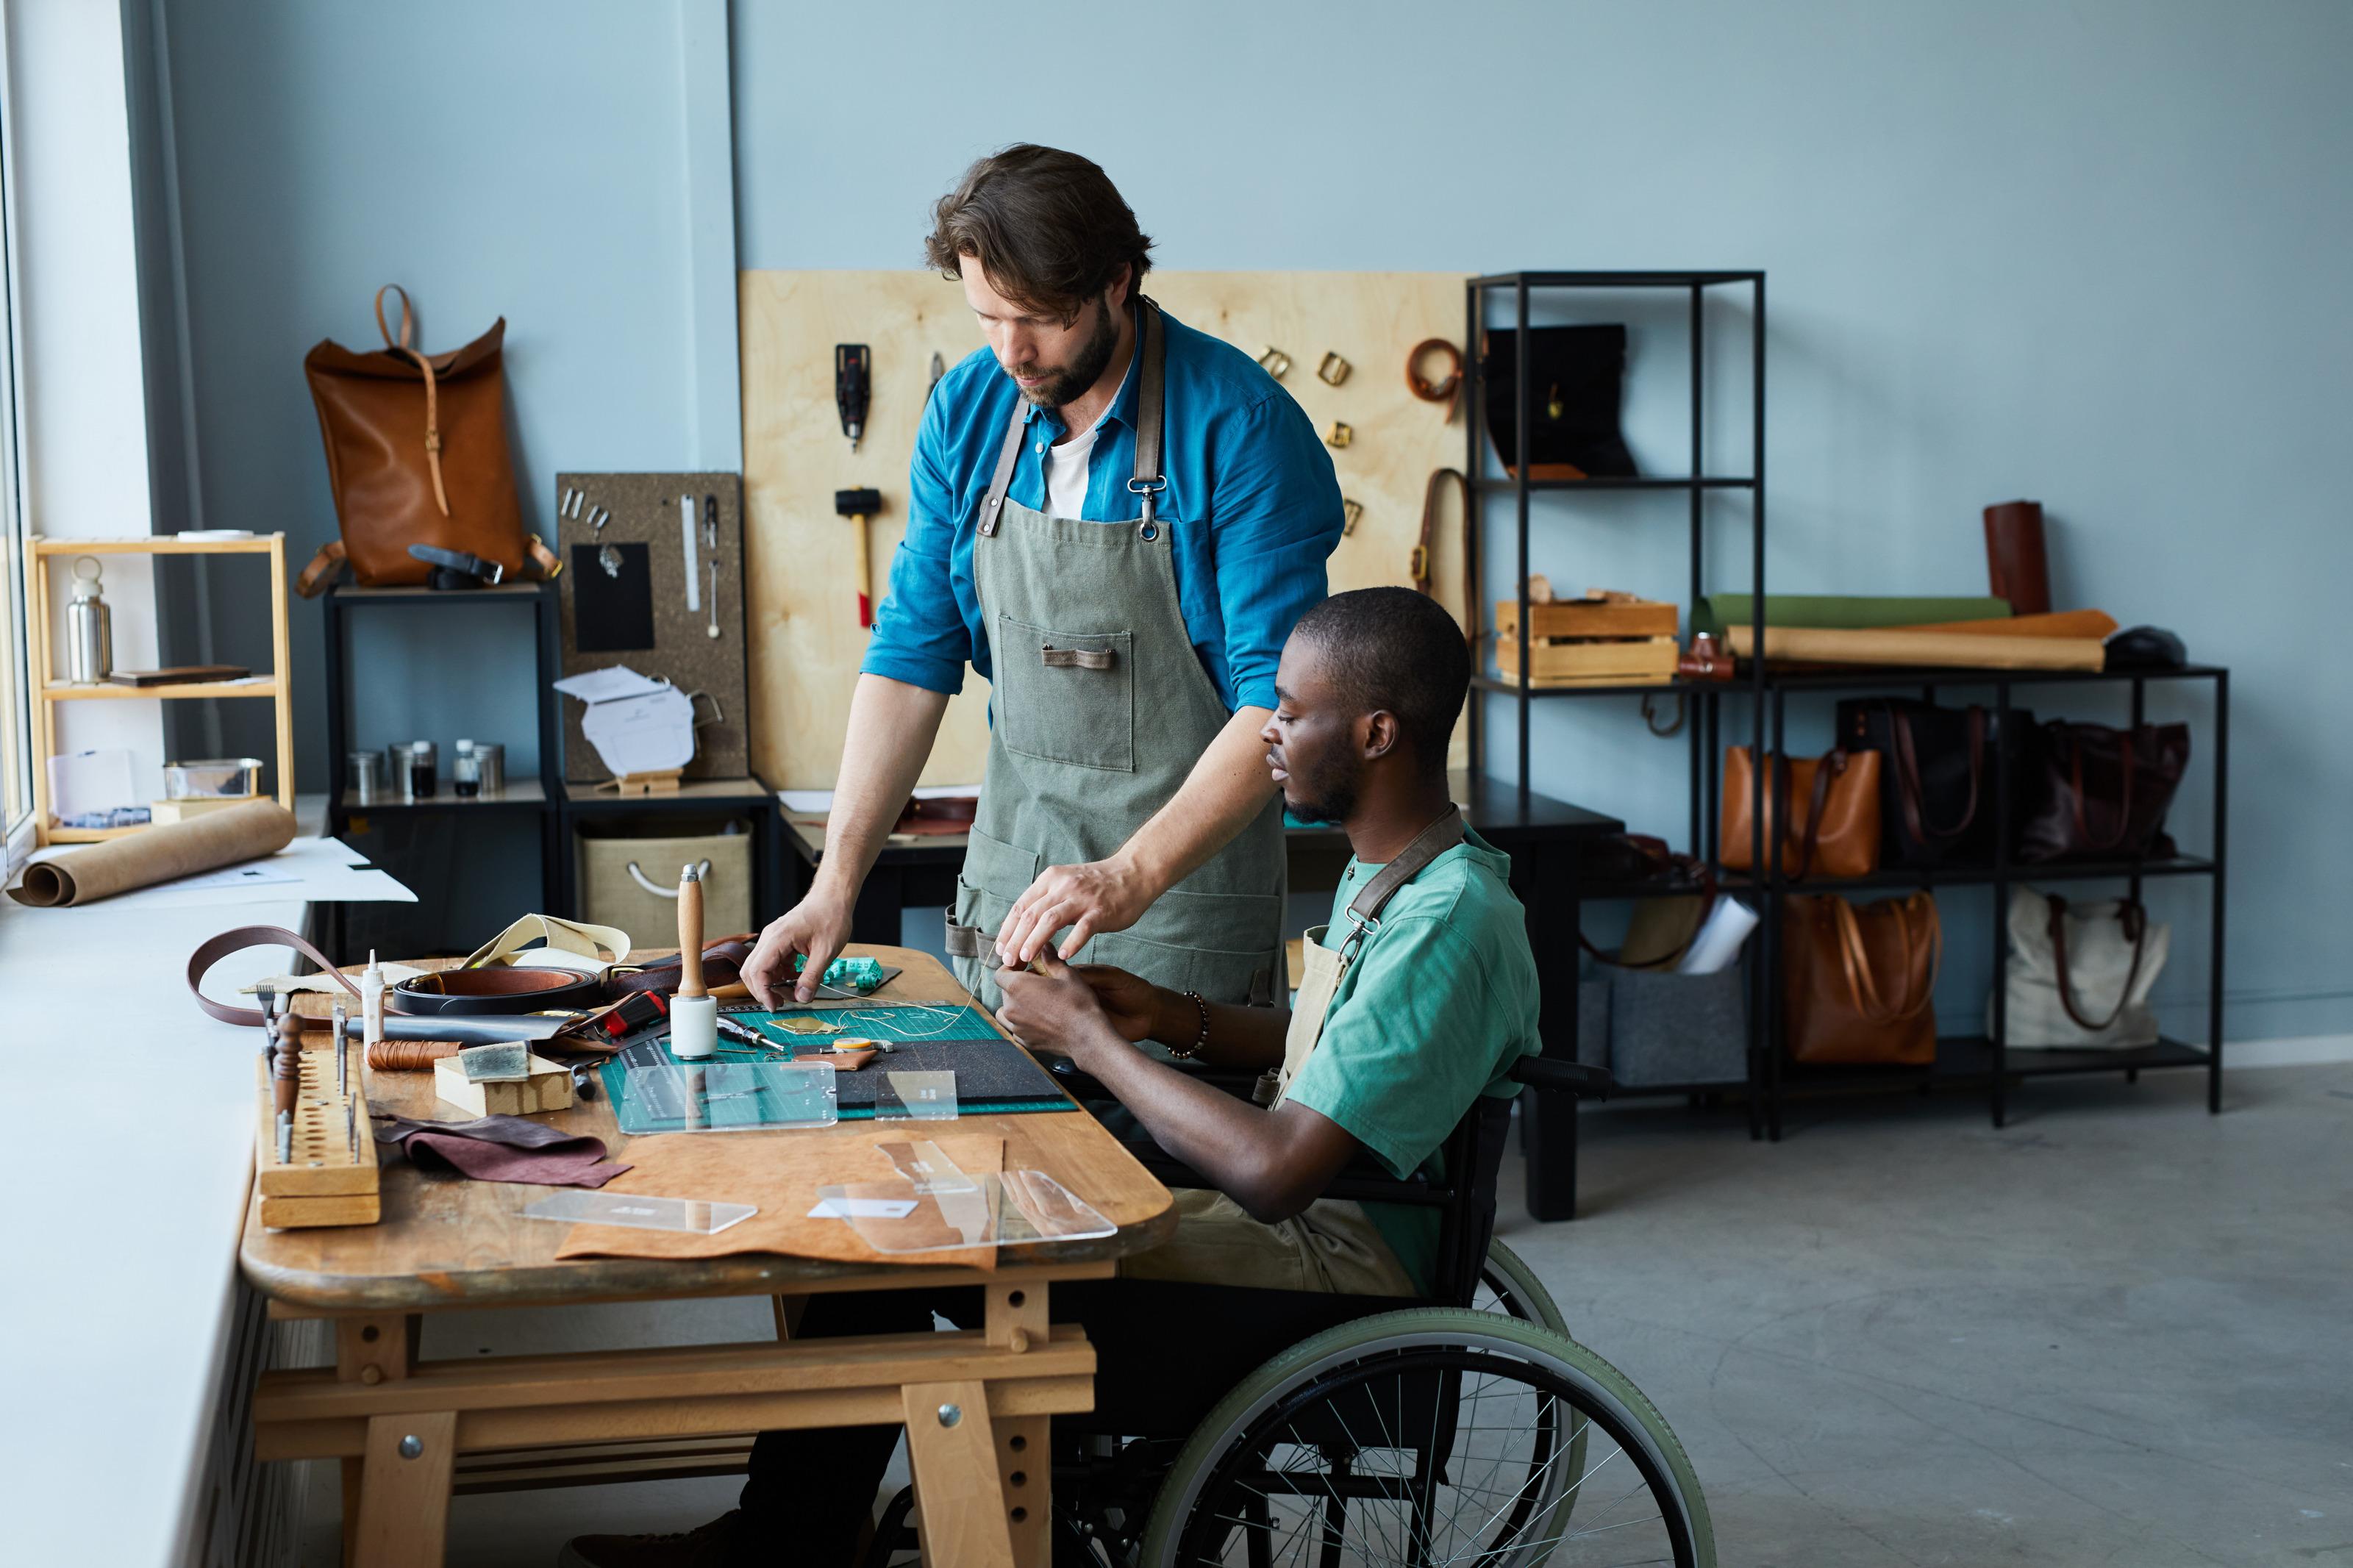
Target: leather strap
<point x="1831" y="766"/>
<point x="1364" y="909"/>
<point x="1449" y="390"/>
<point x="2126" y="758"/>
<point x="212" y="950"/>
<point x="1148" y="481"/>
<point x="1909" y="796"/>
<point x="1854" y="959"/>
<point x="432" y="392"/>
<point x="452" y="992"/>
<point x="458" y="568"/>
<point x="1417" y="565"/>
<point x="323" y="569"/>
<point x="2134" y="919"/>
<point x="1054" y="657"/>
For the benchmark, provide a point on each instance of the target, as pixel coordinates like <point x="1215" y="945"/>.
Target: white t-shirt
<point x="1066" y="473"/>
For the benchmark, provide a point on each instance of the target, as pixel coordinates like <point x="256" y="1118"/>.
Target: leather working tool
<point x="852" y="384"/>
<point x="500" y="989"/>
<point x="1449" y="390"/>
<point x="858" y="506"/>
<point x="693" y="1011"/>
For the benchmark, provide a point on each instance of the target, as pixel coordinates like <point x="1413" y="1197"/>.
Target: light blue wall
<point x="525" y="160"/>
<point x="2091" y="254"/>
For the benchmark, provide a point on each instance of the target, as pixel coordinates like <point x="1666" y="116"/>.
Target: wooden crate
<point x="1590" y="618"/>
<point x="1618" y="662"/>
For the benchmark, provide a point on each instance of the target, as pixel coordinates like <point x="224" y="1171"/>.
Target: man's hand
<point x="1052" y="1008"/>
<point x="1100" y="896"/>
<point x="1132" y="1004"/>
<point x="818" y="927"/>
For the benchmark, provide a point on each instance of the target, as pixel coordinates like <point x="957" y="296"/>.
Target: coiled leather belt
<point x="500" y="990"/>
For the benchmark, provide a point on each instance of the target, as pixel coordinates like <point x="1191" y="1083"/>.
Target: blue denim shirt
<point x="1254" y="505"/>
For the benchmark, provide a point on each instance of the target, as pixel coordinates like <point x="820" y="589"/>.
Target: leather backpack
<point x="416" y="454"/>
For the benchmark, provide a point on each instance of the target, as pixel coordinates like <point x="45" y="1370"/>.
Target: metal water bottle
<point x="89" y="631"/>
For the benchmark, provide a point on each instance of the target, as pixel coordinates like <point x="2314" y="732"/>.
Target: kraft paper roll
<point x="225" y="838"/>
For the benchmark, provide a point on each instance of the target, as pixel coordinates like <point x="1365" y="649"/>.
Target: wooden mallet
<point x="858" y="506"/>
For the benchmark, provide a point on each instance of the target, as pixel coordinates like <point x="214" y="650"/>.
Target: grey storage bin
<point x="628" y="877"/>
<point x="1593" y="1021"/>
<point x="1677" y="1028"/>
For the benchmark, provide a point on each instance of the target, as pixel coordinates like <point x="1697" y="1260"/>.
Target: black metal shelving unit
<point x="1962" y="1059"/>
<point x="556" y="809"/>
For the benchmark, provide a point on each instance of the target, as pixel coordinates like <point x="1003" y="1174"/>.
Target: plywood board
<point x="803" y="636"/>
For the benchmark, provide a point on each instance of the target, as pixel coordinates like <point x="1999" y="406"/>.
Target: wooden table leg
<point x="370" y="1351"/>
<point x="1016" y="1320"/>
<point x="404" y="1498"/>
<point x="951" y="1449"/>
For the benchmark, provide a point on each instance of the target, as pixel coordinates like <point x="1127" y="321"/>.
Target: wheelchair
<point x="1235" y="1424"/>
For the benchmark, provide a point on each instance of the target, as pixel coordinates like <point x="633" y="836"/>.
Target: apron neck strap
<point x="1364" y="909"/>
<point x="1148" y="481"/>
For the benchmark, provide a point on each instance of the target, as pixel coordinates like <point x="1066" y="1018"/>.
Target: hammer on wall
<point x="858" y="506"/>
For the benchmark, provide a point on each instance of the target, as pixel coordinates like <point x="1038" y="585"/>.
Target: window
<point x="16" y="707"/>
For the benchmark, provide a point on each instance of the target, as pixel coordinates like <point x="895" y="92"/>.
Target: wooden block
<point x="1639" y="658"/>
<point x="663" y="782"/>
<point x="333" y="1177"/>
<point x="1590" y="618"/>
<point x="297" y="1214"/>
<point x="185" y="810"/>
<point x="549" y="1088"/>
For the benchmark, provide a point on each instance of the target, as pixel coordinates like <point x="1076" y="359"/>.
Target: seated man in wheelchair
<point x="1419" y="997"/>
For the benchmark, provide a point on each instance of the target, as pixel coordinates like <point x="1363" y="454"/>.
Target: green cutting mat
<point x="875" y="1023"/>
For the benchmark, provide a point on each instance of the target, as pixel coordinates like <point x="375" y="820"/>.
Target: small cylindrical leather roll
<point x="410" y="1056"/>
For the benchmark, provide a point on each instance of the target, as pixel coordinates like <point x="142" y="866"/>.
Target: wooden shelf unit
<point x="278" y="687"/>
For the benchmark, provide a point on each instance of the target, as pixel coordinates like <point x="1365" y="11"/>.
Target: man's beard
<point x="1329" y="796"/>
<point x="1069" y="383"/>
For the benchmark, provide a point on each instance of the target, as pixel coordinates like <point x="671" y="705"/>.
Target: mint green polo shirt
<point x="1440" y="1002"/>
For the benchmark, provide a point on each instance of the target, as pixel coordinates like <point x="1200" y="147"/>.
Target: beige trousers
<point x="1332" y="1247"/>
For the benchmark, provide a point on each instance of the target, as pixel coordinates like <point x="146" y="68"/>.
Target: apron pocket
<point x="1065" y="697"/>
<point x="994" y="874"/>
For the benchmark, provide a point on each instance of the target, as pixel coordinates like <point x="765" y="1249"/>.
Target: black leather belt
<point x="503" y="990"/>
<point x="457" y="569"/>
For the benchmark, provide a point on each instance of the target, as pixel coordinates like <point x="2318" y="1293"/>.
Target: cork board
<point x="804" y="634"/>
<point x="644" y="524"/>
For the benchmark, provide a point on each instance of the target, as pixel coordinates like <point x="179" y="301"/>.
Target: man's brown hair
<point x="1048" y="228"/>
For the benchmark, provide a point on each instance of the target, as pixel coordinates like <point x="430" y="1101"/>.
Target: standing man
<point x="1115" y="520"/>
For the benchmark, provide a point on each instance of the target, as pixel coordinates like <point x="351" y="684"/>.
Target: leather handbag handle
<point x="1831" y="766"/>
<point x="432" y="393"/>
<point x="2134" y="919"/>
<point x="1862" y="990"/>
<point x="1908" y="793"/>
<point x="2127" y="754"/>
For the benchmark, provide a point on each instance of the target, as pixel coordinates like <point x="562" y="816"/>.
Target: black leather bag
<point x="1939" y="769"/>
<point x="1576" y="383"/>
<point x="2102" y="793"/>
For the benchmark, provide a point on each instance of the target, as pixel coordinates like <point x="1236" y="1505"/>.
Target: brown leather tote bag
<point x="1860" y="983"/>
<point x="1834" y="832"/>
<point x="416" y="454"/>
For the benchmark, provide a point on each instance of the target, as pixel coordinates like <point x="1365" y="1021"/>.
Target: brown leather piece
<point x="2017" y="567"/>
<point x="1054" y="657"/>
<point x="2135" y="920"/>
<point x="779" y="1173"/>
<point x="416" y="453"/>
<point x="1860" y="983"/>
<point x="723" y="965"/>
<point x="1447" y="390"/>
<point x="1834" y="833"/>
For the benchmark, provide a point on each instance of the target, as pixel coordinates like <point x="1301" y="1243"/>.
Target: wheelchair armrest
<point x="1570" y="1077"/>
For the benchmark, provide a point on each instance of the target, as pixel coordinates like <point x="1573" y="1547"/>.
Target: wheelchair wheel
<point x="1507" y="1285"/>
<point x="1421" y="1438"/>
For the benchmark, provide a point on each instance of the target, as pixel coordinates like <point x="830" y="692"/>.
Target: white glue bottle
<point x="693" y="1013"/>
<point x="372" y="1003"/>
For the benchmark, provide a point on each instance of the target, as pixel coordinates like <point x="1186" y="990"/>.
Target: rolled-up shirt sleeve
<point x="920" y="635"/>
<point x="1278" y="516"/>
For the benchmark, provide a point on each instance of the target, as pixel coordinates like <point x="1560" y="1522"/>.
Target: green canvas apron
<point x="1099" y="709"/>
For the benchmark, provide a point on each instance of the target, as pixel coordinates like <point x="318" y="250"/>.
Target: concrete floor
<point x="2117" y="1331"/>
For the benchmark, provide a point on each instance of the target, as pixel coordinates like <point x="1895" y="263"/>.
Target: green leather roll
<point x="1843" y="611"/>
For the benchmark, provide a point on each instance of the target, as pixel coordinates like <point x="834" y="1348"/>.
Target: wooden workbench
<point x="399" y="1425"/>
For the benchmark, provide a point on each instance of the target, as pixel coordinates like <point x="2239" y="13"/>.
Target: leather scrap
<point x="501" y="1148"/>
